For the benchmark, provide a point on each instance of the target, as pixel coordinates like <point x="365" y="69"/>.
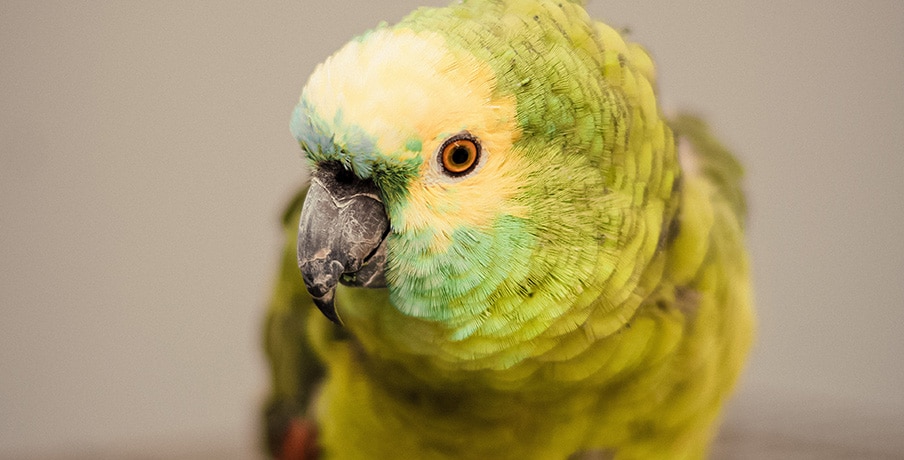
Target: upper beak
<point x="341" y="235"/>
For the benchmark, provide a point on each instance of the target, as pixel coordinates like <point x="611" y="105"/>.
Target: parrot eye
<point x="459" y="154"/>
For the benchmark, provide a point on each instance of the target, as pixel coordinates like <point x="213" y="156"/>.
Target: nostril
<point x="344" y="176"/>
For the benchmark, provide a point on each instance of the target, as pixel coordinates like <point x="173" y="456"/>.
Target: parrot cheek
<point x="341" y="235"/>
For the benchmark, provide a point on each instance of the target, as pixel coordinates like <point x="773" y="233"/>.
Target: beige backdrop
<point x="145" y="156"/>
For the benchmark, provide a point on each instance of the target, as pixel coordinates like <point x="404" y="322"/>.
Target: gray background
<point x="145" y="156"/>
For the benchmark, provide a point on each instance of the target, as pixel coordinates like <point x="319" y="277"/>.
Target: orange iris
<point x="459" y="155"/>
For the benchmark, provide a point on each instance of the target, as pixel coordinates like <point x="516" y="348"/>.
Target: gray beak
<point x="341" y="235"/>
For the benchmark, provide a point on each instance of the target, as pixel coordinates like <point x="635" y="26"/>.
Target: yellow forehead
<point x="398" y="85"/>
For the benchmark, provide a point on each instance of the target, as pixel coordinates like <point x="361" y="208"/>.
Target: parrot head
<point x="471" y="166"/>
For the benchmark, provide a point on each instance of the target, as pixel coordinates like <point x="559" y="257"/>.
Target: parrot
<point x="505" y="249"/>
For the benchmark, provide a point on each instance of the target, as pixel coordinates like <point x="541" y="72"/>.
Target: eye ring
<point x="459" y="154"/>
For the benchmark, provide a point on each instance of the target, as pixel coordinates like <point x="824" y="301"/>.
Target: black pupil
<point x="460" y="155"/>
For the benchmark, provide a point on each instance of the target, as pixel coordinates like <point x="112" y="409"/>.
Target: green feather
<point x="607" y="310"/>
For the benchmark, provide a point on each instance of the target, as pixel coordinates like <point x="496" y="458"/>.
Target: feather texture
<point x="580" y="292"/>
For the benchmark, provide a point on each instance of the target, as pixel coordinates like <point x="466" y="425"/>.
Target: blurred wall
<point x="145" y="157"/>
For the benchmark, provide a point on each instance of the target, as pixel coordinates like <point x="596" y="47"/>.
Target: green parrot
<point x="512" y="253"/>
